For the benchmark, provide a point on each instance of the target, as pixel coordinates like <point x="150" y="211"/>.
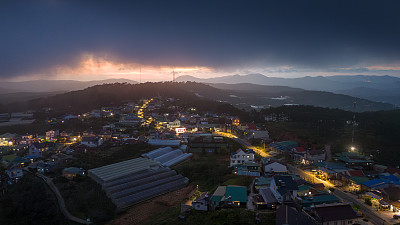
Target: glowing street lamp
<point x="352" y="148"/>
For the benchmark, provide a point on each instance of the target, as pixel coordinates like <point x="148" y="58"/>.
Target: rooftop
<point x="334" y="212"/>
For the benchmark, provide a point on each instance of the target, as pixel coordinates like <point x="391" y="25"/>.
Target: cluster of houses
<point x="295" y="200"/>
<point x="35" y="153"/>
<point x="351" y="171"/>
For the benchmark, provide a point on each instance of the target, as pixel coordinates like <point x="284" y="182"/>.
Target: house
<point x="59" y="159"/>
<point x="247" y="169"/>
<point x="43" y="168"/>
<point x="299" y="154"/>
<point x="241" y="157"/>
<point x="37" y="149"/>
<point x="392" y="196"/>
<point x="14" y="171"/>
<point x="262" y="182"/>
<point x="354" y="173"/>
<point x="173" y="124"/>
<point x="275" y="167"/>
<point x="15" y="160"/>
<point x="72" y="172"/>
<point x="284" y="145"/>
<point x="305" y="190"/>
<point x="354" y="159"/>
<point x="259" y="134"/>
<point x="284" y="188"/>
<point x="313" y="156"/>
<point x="91" y="141"/>
<point x="130" y="120"/>
<point x="325" y="198"/>
<point x="290" y="215"/>
<point x="202" y="202"/>
<point x="229" y="196"/>
<point x="52" y="134"/>
<point x="269" y="199"/>
<point x="7" y="139"/>
<point x="336" y="213"/>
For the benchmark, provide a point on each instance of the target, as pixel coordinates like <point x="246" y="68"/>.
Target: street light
<point x="352" y="148"/>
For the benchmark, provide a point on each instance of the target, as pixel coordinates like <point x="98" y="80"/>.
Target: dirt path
<point x="143" y="212"/>
<point x="60" y="200"/>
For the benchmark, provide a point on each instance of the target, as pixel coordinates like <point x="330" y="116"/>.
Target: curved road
<point x="244" y="143"/>
<point x="60" y="201"/>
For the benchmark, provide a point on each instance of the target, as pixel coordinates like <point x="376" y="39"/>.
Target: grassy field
<point x="111" y="155"/>
<point x="209" y="171"/>
<point x="84" y="198"/>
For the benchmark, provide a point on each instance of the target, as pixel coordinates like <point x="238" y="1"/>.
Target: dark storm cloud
<point x="320" y="34"/>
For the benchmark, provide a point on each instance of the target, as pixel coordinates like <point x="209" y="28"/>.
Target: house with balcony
<point x="241" y="157"/>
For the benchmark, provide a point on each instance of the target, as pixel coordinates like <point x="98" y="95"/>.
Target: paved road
<point x="308" y="177"/>
<point x="374" y="217"/>
<point x="244" y="143"/>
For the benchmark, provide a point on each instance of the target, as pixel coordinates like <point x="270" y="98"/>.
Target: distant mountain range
<point x="54" y="85"/>
<point x="375" y="88"/>
<point x="253" y="96"/>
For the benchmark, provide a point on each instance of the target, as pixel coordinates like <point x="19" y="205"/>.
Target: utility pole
<point x="173" y="75"/>
<point x="140" y="74"/>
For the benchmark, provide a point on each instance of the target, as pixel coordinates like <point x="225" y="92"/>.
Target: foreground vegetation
<point x="218" y="217"/>
<point x="85" y="199"/>
<point x="30" y="201"/>
<point x="375" y="133"/>
<point x="208" y="171"/>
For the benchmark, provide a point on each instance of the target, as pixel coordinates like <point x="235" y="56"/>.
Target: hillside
<point x="243" y="96"/>
<point x="119" y="93"/>
<point x="247" y="95"/>
<point x="383" y="88"/>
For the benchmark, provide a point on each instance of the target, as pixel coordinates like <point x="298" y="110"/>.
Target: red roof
<point x="300" y="149"/>
<point x="251" y="126"/>
<point x="356" y="173"/>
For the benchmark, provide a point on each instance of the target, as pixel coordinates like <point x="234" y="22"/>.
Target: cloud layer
<point x="226" y="36"/>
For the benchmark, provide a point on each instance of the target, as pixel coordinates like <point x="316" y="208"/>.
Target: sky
<point x="97" y="39"/>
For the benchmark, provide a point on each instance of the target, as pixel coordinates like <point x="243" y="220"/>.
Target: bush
<point x="368" y="201"/>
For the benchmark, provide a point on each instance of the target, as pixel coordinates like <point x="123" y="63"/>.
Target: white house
<point x="14" y="171"/>
<point x="174" y="124"/>
<point x="241" y="157"/>
<point x="284" y="188"/>
<point x="52" y="134"/>
<point x="201" y="202"/>
<point x="275" y="167"/>
<point x="92" y="141"/>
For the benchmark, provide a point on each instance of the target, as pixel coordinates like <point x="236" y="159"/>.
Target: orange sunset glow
<point x="92" y="67"/>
